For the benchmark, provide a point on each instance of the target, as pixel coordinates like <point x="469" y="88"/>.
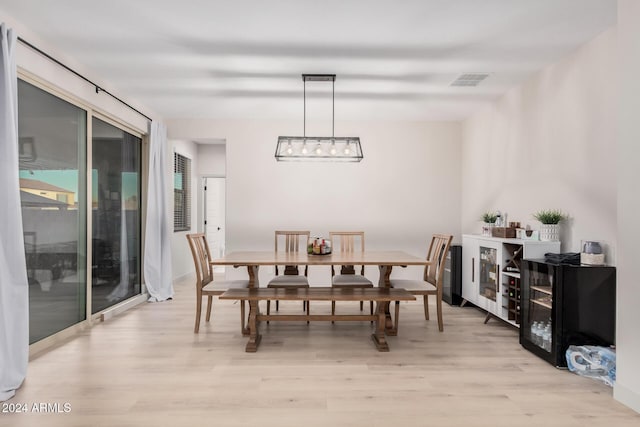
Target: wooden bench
<point x="383" y="296"/>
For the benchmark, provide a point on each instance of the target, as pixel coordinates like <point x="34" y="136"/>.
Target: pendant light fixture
<point x="318" y="148"/>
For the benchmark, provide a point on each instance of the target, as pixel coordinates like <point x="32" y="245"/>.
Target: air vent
<point x="469" y="79"/>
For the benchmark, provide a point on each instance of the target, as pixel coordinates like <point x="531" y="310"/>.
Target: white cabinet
<point x="491" y="272"/>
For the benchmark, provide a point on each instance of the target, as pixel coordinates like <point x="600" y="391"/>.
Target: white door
<point x="214" y="216"/>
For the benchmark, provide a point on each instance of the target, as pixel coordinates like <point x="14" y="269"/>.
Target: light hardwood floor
<point x="146" y="367"/>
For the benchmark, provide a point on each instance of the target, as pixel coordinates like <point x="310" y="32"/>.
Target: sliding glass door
<point x="52" y="145"/>
<point x="54" y="137"/>
<point x="115" y="215"/>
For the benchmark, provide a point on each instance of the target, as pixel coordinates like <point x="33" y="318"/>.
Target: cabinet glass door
<point x="488" y="284"/>
<point x="537" y="318"/>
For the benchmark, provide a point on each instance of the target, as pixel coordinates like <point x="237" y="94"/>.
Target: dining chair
<point x="431" y="283"/>
<point x="348" y="242"/>
<point x="294" y="241"/>
<point x="205" y="284"/>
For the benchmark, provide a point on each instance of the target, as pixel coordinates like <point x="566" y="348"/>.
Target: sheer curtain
<point x="157" y="248"/>
<point x="14" y="290"/>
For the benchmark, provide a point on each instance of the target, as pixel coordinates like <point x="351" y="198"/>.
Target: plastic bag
<point x="593" y="362"/>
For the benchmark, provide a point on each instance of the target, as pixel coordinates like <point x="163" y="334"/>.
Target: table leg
<point x="253" y="276"/>
<point x="253" y="283"/>
<point x="378" y="337"/>
<point x="385" y="273"/>
<point x="254" y="324"/>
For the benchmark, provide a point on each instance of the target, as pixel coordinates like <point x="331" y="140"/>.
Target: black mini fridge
<point x="563" y="305"/>
<point x="452" y="278"/>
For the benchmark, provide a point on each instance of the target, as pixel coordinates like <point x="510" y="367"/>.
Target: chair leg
<point x="439" y="310"/>
<point x="198" y="310"/>
<point x="425" y="298"/>
<point x="242" y="316"/>
<point x="307" y="311"/>
<point x="333" y="309"/>
<point x="268" y="309"/>
<point x="397" y="316"/>
<point x="371" y="307"/>
<point x="277" y="305"/>
<point x="209" y="304"/>
<point x="361" y="305"/>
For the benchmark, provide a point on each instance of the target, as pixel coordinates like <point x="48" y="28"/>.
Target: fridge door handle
<point x="498" y="278"/>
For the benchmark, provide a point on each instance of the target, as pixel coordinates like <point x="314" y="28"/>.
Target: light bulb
<point x="304" y="149"/>
<point x="347" y="150"/>
<point x="289" y="148"/>
<point x="333" y="150"/>
<point x="318" y="149"/>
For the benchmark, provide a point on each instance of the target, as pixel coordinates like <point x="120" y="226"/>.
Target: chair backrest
<point x="344" y="242"/>
<point x="292" y="242"/>
<point x="434" y="272"/>
<point x="201" y="258"/>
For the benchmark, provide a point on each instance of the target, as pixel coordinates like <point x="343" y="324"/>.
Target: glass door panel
<point x="537" y="318"/>
<point x="52" y="142"/>
<point x="116" y="215"/>
<point x="489" y="274"/>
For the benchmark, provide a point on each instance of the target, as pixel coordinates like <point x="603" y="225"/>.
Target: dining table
<point x="384" y="260"/>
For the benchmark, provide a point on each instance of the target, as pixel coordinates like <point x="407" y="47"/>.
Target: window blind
<point x="181" y="193"/>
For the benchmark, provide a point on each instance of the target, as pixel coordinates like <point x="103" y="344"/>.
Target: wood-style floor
<point x="146" y="367"/>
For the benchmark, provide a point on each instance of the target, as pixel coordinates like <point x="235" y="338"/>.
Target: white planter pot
<point x="487" y="229"/>
<point x="550" y="232"/>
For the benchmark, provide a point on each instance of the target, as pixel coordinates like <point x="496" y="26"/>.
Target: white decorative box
<point x="591" y="259"/>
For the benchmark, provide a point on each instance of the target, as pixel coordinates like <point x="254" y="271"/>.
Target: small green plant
<point x="489" y="217"/>
<point x="549" y="216"/>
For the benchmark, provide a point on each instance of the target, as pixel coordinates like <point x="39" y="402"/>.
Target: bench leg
<point x="389" y="328"/>
<point x="378" y="337"/>
<point x="254" y="336"/>
<point x="245" y="329"/>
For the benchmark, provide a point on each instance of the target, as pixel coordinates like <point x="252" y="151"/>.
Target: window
<point x="181" y="193"/>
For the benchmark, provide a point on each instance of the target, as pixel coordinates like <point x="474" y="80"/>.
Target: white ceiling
<point x="243" y="59"/>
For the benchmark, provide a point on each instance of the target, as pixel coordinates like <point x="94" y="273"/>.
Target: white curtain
<point x="159" y="226"/>
<point x="14" y="289"/>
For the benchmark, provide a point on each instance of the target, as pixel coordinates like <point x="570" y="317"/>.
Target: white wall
<point x="43" y="69"/>
<point x="212" y="160"/>
<point x="627" y="388"/>
<point x="406" y="188"/>
<point x="181" y="259"/>
<point x="549" y="143"/>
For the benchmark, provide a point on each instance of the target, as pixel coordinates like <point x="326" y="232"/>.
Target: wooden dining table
<point x="384" y="260"/>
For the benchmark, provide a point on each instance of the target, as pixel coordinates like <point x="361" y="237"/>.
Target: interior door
<point x="214" y="216"/>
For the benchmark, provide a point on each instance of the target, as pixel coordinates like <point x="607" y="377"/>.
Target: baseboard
<point x="627" y="397"/>
<point x="45" y="344"/>
<point x="183" y="277"/>
<point x="123" y="306"/>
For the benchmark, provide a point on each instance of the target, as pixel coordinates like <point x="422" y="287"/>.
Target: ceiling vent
<point x="469" y="79"/>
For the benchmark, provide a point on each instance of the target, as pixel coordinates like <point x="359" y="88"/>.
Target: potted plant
<point x="489" y="218"/>
<point x="550" y="219"/>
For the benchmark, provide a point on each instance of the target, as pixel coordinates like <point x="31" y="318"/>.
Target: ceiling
<point x="394" y="60"/>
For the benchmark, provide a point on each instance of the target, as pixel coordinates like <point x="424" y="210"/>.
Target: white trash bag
<point x="593" y="362"/>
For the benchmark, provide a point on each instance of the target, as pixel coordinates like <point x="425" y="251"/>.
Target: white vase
<point x="550" y="232"/>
